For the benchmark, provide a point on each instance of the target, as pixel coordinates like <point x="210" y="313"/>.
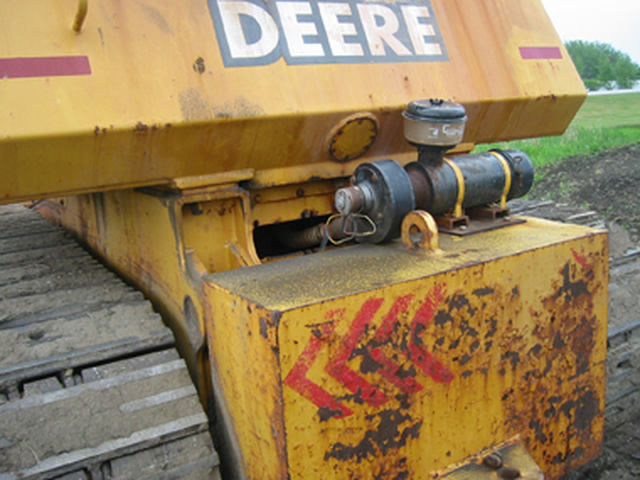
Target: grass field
<point x="604" y="121"/>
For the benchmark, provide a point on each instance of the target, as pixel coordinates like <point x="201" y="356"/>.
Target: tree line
<point x="602" y="66"/>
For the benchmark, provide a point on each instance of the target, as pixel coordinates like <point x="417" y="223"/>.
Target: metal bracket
<point x="508" y="460"/>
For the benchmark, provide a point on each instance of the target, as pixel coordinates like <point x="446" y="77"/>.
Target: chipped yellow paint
<point x="394" y="362"/>
<point x="142" y="118"/>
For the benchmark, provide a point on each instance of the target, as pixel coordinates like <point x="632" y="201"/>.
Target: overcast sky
<point x="616" y="22"/>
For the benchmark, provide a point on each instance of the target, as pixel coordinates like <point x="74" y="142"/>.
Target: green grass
<point x="603" y="122"/>
<point x="609" y="111"/>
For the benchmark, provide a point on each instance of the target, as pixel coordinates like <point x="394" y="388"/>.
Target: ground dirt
<point x="607" y="183"/>
<point x="606" y="186"/>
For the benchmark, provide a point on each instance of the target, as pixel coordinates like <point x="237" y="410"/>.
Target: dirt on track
<point x="607" y="183"/>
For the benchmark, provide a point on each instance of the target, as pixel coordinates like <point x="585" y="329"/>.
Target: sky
<point x="616" y="22"/>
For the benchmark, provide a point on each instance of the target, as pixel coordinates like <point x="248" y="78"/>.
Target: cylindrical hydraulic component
<point x="382" y="192"/>
<point x="485" y="176"/>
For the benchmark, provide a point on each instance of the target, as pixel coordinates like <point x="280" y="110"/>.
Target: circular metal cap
<point x="352" y="136"/>
<point x="433" y="110"/>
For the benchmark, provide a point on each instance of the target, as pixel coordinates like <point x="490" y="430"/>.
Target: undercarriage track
<point x="91" y="385"/>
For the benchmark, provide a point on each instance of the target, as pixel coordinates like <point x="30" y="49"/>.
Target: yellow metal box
<point x="385" y="362"/>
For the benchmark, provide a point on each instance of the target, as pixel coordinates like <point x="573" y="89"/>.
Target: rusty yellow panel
<point x="383" y="362"/>
<point x="150" y="91"/>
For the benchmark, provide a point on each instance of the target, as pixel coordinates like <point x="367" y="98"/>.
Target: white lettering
<point x="418" y="31"/>
<point x="378" y="35"/>
<point x="230" y="12"/>
<point x="295" y="30"/>
<point x="336" y="30"/>
<point x="305" y="32"/>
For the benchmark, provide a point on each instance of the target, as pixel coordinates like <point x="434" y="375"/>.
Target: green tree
<point x="606" y="72"/>
<point x="626" y="73"/>
<point x="602" y="66"/>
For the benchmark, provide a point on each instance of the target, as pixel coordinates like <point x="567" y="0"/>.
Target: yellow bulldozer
<point x="293" y="186"/>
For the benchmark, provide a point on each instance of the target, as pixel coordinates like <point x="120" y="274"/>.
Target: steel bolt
<point x="493" y="460"/>
<point x="508" y="472"/>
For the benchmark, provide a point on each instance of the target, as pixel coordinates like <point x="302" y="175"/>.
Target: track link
<point x="91" y="385"/>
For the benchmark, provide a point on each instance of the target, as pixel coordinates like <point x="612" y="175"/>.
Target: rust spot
<point x="368" y="365"/>
<point x="459" y="302"/>
<point x="140" y="127"/>
<point x="263" y="328"/>
<point x="465" y="359"/>
<point x="492" y="329"/>
<point x="326" y="413"/>
<point x="558" y="341"/>
<point x="535" y="350"/>
<point x="582" y="411"/>
<point x="483" y="292"/>
<point x="550" y="97"/>
<point x="465" y="328"/>
<point x="513" y="357"/>
<point x="570" y="289"/>
<point x="442" y="318"/>
<point x="539" y="433"/>
<point x="389" y="434"/>
<point x="198" y="66"/>
<point x="507" y="394"/>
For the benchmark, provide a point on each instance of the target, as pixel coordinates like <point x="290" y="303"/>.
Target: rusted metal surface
<point x="501" y="334"/>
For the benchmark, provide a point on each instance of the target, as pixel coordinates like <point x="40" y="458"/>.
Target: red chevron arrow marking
<point x="297" y="377"/>
<point x="390" y="369"/>
<point x="417" y="352"/>
<point x="338" y="369"/>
